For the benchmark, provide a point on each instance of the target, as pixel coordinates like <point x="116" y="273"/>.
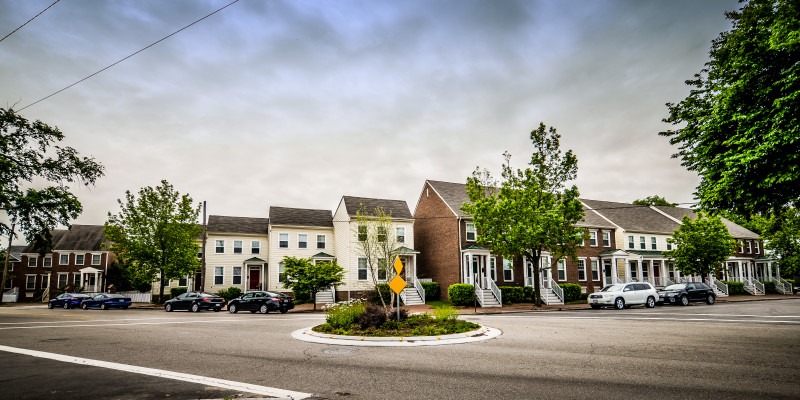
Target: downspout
<point x="460" y="266"/>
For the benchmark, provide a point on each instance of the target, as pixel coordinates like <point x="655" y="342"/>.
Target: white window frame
<point x="741" y="247"/>
<point x="400" y="232"/>
<point x="28" y="284"/>
<point x="45" y="281"/>
<point x="508" y="269"/>
<point x="32" y="260"/>
<point x="593" y="238"/>
<point x="283" y="244"/>
<point x="302" y="240"/>
<point x="561" y="266"/>
<point x="493" y="268"/>
<point x="469" y="228"/>
<point x="653" y="243"/>
<point x="235" y="275"/>
<point x="631" y="243"/>
<point x="47" y="261"/>
<point x="219" y="249"/>
<point x="82" y="258"/>
<point x="669" y="245"/>
<point x="595" y="269"/>
<point x="281" y="272"/>
<point x="606" y="239"/>
<point x="238" y="249"/>
<point x="383" y="270"/>
<point x="61" y="258"/>
<point x="62" y="276"/>
<point x="255" y="247"/>
<point x="219" y="272"/>
<point x="321" y="243"/>
<point x="757" y="247"/>
<point x="642" y="243"/>
<point x="362" y="266"/>
<point x="749" y="247"/>
<point x="582" y="268"/>
<point x="99" y="259"/>
<point x="76" y="280"/>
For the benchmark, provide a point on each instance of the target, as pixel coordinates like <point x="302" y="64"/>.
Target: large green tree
<point x="532" y="210"/>
<point x="302" y="275"/>
<point x="781" y="234"/>
<point x="654" y="200"/>
<point x="739" y="127"/>
<point x="35" y="175"/>
<point x="701" y="245"/>
<point x="156" y="234"/>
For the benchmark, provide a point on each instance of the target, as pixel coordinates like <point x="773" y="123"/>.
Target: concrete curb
<point x="484" y="333"/>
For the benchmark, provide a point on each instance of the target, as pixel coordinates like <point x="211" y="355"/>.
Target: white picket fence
<point x="138" y="297"/>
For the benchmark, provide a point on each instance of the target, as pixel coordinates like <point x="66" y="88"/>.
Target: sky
<point x="298" y="103"/>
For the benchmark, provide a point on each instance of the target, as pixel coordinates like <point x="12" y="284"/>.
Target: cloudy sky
<point x="297" y="103"/>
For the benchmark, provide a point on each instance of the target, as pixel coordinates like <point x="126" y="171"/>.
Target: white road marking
<point x="154" y="321"/>
<point x="203" y="380"/>
<point x="634" y="318"/>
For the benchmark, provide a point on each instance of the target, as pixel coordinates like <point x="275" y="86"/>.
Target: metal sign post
<point x="398" y="284"/>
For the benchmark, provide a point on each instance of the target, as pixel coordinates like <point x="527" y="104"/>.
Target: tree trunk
<point x="5" y="263"/>
<point x="537" y="294"/>
<point x="161" y="288"/>
<point x="314" y="299"/>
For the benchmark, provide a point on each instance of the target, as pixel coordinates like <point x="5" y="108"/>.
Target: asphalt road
<point x="731" y="350"/>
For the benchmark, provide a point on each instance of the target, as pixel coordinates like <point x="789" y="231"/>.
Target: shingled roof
<point x="736" y="230"/>
<point x="300" y="217"/>
<point x="632" y="217"/>
<point x="77" y="237"/>
<point x="398" y="209"/>
<point x="247" y="225"/>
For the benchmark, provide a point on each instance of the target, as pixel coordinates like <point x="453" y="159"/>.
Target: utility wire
<point x="131" y="55"/>
<point x="32" y="18"/>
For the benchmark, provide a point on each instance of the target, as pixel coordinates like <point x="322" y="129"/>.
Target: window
<point x="653" y="243"/>
<point x="45" y="281"/>
<point x="401" y="234"/>
<point x="31" y="261"/>
<point x="237" y="275"/>
<point x="76" y="280"/>
<point x="749" y="250"/>
<point x="606" y="239"/>
<point x="669" y="244"/>
<point x="63" y="259"/>
<point x="283" y="240"/>
<point x="362" y="234"/>
<point x="219" y="275"/>
<point x="595" y="270"/>
<point x="562" y="270"/>
<point x="47" y="262"/>
<point x="581" y="270"/>
<point x="493" y="268"/>
<point x="219" y="246"/>
<point x="382" y="234"/>
<point x="630" y="242"/>
<point x="741" y="246"/>
<point x="182" y="281"/>
<point x="320" y="241"/>
<point x="281" y="272"/>
<point x="237" y="247"/>
<point x="593" y="238"/>
<point x="95" y="259"/>
<point x="30" y="282"/>
<point x="758" y="250"/>
<point x="508" y="269"/>
<point x="302" y="241"/>
<point x="255" y="247"/>
<point x="62" y="280"/>
<point x="362" y="269"/>
<point x="80" y="259"/>
<point x="471" y="234"/>
<point x="382" y="269"/>
<point x="642" y="243"/>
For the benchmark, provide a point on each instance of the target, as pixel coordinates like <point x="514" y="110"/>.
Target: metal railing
<point x="557" y="290"/>
<point x="782" y="286"/>
<point x="662" y="281"/>
<point x="495" y="290"/>
<point x="138" y="297"/>
<point x="718" y="286"/>
<point x="420" y="289"/>
<point x="479" y="294"/>
<point x="753" y="287"/>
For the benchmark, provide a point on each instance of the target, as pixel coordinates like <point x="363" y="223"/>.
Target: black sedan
<point x="262" y="302"/>
<point x="104" y="301"/>
<point x="194" y="302"/>
<point x="683" y="293"/>
<point x="67" y="300"/>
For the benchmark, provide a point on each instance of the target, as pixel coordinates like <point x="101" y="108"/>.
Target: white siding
<point x="276" y="253"/>
<point x="228" y="259"/>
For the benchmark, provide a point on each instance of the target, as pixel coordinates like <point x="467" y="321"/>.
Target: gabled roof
<point x="247" y="225"/>
<point x="300" y="217"/>
<point x="15" y="252"/>
<point x="736" y="230"/>
<point x="79" y="237"/>
<point x="398" y="209"/>
<point x="322" y="254"/>
<point x="632" y="217"/>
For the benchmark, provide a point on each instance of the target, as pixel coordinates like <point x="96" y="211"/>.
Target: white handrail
<point x="419" y="288"/>
<point x="557" y="290"/>
<point x="759" y="286"/>
<point x="495" y="290"/>
<point x="723" y="288"/>
<point x="478" y="293"/>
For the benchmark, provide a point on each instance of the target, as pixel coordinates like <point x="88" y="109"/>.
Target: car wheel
<point x="232" y="308"/>
<point x="619" y="303"/>
<point x="264" y="309"/>
<point x="684" y="301"/>
<point x="84" y="306"/>
<point x="651" y="302"/>
<point x="168" y="307"/>
<point x="594" y="306"/>
<point x="710" y="299"/>
<point x="66" y="306"/>
<point x="104" y="306"/>
<point x="50" y="305"/>
<point x="195" y="307"/>
<point x="284" y="311"/>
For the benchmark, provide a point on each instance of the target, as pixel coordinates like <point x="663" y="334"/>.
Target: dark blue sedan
<point x="67" y="300"/>
<point x="105" y="301"/>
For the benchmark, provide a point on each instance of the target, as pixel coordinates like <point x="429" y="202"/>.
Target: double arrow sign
<point x="397" y="284"/>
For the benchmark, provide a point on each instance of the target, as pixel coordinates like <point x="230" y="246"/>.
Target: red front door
<point x="255" y="279"/>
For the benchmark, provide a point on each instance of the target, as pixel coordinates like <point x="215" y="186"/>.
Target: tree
<point x="529" y="211"/>
<point x="156" y="234"/>
<point x="378" y="246"/>
<point x="654" y="200"/>
<point x="739" y="127"/>
<point x="702" y="245"/>
<point x="302" y="275"/>
<point x="781" y="234"/>
<point x="30" y="157"/>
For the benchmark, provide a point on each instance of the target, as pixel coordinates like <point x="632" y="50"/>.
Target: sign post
<point x="398" y="284"/>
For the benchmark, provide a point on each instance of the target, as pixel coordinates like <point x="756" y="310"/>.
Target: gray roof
<point x="77" y="237"/>
<point x="16" y="252"/>
<point x="247" y="225"/>
<point x="300" y="217"/>
<point x="398" y="209"/>
<point x="736" y="230"/>
<point x="632" y="217"/>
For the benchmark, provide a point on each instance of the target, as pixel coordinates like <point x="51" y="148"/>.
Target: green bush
<point x="572" y="291"/>
<point x="177" y="291"/>
<point x="431" y="290"/>
<point x="301" y="296"/>
<point x="512" y="294"/>
<point x="230" y="293"/>
<point x="791" y="281"/>
<point x="527" y="294"/>
<point x="769" y="288"/>
<point x="461" y="294"/>
<point x="445" y="313"/>
<point x="385" y="292"/>
<point x="343" y="316"/>
<point x="735" y="288"/>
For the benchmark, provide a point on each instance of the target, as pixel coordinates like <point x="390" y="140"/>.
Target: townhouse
<point x="236" y="254"/>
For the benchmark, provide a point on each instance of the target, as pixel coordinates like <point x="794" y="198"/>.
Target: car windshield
<point x="612" y="288"/>
<point x="115" y="296"/>
<point x="271" y="294"/>
<point x="677" y="286"/>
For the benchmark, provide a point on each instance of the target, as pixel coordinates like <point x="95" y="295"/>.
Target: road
<point x="728" y="350"/>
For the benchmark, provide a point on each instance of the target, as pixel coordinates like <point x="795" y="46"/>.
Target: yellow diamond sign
<point x="398" y="265"/>
<point x="397" y="284"/>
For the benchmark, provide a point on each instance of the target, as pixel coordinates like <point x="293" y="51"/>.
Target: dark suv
<point x="683" y="293"/>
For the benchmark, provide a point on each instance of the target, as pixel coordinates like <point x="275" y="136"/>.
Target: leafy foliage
<point x="445" y="313"/>
<point x="177" y="291"/>
<point x="735" y="288"/>
<point x="739" y="127"/>
<point x="512" y="294"/>
<point x="431" y="291"/>
<point x="781" y="234"/>
<point x="461" y="294"/>
<point x="378" y="246"/>
<point x="343" y="316"/>
<point x="304" y="276"/>
<point x="229" y="293"/>
<point x="572" y="291"/>
<point x="654" y="200"/>
<point x="155" y="234"/>
<point x="702" y="245"/>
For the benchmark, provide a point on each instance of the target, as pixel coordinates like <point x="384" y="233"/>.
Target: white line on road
<point x="633" y="318"/>
<point x="158" y="321"/>
<point x="203" y="380"/>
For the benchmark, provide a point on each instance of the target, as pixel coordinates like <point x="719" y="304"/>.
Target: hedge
<point x="461" y="294"/>
<point x="572" y="291"/>
<point x="527" y="294"/>
<point x="177" y="291"/>
<point x="431" y="290"/>
<point x="512" y="294"/>
<point x="229" y="293"/>
<point x="735" y="288"/>
<point x="769" y="288"/>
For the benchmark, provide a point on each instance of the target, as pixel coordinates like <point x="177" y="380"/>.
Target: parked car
<point x="623" y="295"/>
<point x="105" y="301"/>
<point x="262" y="302"/>
<point x="67" y="300"/>
<point x="195" y="301"/>
<point x="683" y="293"/>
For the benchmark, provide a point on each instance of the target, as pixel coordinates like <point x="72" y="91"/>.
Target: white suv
<point x="623" y="295"/>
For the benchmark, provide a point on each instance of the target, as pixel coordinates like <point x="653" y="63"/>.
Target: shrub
<point x="735" y="288"/>
<point x="461" y="294"/>
<point x="403" y="315"/>
<point x="769" y="288"/>
<point x="431" y="290"/>
<point x="229" y="293"/>
<point x="301" y="296"/>
<point x="572" y="291"/>
<point x="512" y="294"/>
<point x="342" y="316"/>
<point x="372" y="316"/>
<point x="177" y="291"/>
<point x="445" y="313"/>
<point x="527" y="294"/>
<point x="385" y="291"/>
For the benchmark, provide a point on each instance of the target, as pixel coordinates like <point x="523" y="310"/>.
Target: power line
<point x="32" y="18"/>
<point x="131" y="55"/>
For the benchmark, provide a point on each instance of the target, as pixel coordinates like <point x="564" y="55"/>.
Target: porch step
<point x="411" y="297"/>
<point x="752" y="289"/>
<point x="718" y="293"/>
<point x="325" y="297"/>
<point x="488" y="300"/>
<point x="549" y="297"/>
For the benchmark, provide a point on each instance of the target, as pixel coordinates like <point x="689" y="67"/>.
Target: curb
<point x="481" y="334"/>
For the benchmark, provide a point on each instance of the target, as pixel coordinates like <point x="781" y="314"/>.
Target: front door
<point x="607" y="265"/>
<point x="254" y="279"/>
